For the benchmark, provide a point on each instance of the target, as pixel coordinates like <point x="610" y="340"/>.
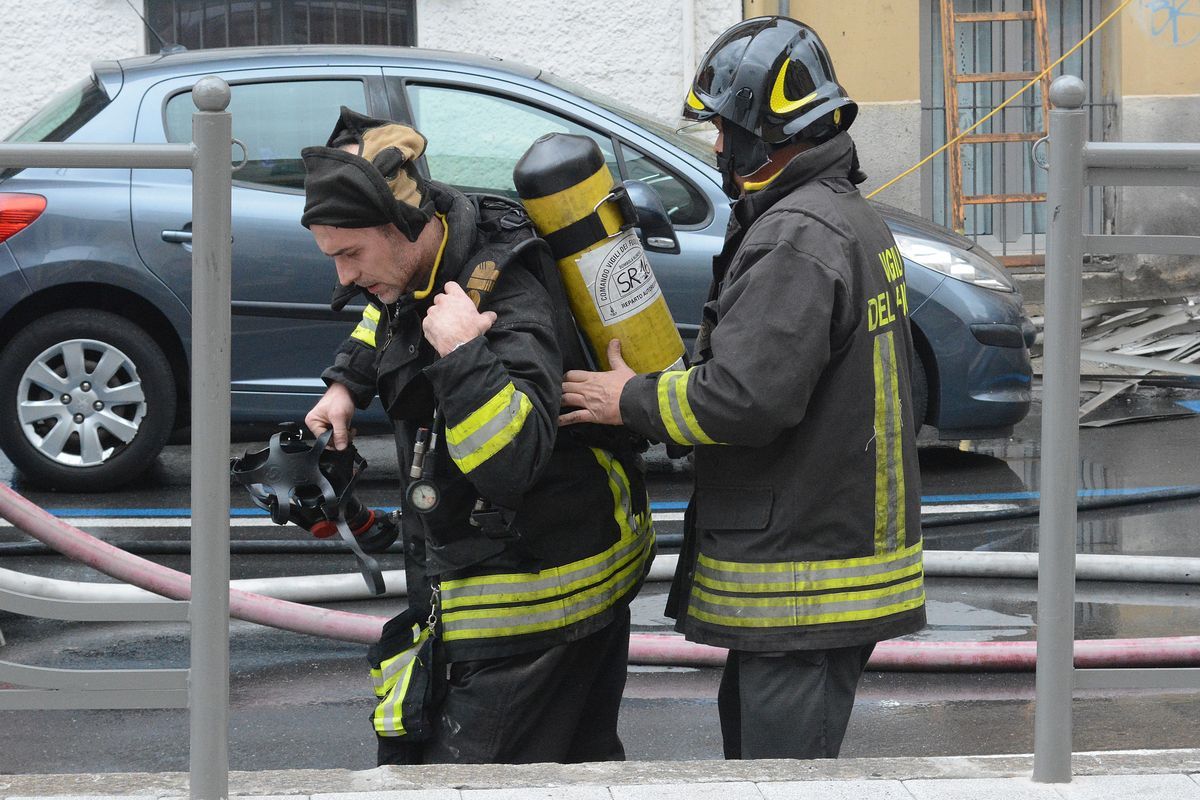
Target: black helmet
<point x="772" y="77"/>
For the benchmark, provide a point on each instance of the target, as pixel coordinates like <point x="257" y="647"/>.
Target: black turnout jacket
<point x="804" y="531"/>
<point x="566" y="537"/>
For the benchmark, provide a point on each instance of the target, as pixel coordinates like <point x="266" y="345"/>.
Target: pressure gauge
<point x="423" y="496"/>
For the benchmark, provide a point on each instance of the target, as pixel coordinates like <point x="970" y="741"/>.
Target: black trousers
<point x="793" y="704"/>
<point x="556" y="705"/>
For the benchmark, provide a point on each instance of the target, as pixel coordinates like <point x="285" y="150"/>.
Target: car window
<point x="274" y="121"/>
<point x="684" y="203"/>
<point x="62" y="116"/>
<point x="475" y="139"/>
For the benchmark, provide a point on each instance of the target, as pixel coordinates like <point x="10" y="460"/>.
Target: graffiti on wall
<point x="1176" y="22"/>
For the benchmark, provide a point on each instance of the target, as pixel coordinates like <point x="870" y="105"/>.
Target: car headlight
<point x="956" y="263"/>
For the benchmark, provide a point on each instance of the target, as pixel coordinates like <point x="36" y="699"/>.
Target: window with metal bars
<point x="201" y="24"/>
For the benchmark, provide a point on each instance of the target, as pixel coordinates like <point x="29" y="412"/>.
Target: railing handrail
<point x="1074" y="164"/>
<point x="207" y="679"/>
<point x="98" y="156"/>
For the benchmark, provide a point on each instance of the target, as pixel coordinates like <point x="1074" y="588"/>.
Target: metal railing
<point x="1075" y="164"/>
<point x="207" y="679"/>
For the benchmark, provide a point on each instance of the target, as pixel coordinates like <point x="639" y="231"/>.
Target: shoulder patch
<point x="482" y="280"/>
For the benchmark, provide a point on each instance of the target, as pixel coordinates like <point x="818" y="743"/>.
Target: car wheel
<point x="87" y="400"/>
<point x="920" y="390"/>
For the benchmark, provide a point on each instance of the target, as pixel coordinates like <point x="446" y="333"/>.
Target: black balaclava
<point x="742" y="154"/>
<point x="375" y="186"/>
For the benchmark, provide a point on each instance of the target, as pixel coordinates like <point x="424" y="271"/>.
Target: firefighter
<point x="523" y="544"/>
<point x="803" y="540"/>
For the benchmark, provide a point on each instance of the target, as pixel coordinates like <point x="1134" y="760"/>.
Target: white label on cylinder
<point x="619" y="278"/>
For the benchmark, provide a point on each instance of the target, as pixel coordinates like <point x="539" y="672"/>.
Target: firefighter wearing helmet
<point x="803" y="539"/>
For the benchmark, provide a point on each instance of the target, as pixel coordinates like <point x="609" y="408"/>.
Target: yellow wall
<point x="875" y="44"/>
<point x="1158" y="57"/>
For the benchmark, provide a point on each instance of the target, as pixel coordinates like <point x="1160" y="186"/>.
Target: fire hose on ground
<point x="149" y="580"/>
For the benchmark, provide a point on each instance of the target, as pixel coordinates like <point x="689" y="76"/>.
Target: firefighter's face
<point x="380" y="259"/>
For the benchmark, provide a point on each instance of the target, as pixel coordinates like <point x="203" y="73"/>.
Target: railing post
<point x="1060" y="434"/>
<point x="211" y="279"/>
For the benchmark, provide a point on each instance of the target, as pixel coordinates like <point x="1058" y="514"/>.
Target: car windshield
<point x="62" y="116"/>
<point x="690" y="143"/>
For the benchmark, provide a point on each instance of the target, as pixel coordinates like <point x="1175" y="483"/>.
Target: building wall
<point x="1160" y="49"/>
<point x="48" y="45"/>
<point x="875" y="46"/>
<point x="1160" y="87"/>
<point x="639" y="58"/>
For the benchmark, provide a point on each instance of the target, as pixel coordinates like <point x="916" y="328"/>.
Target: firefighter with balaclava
<point x="803" y="539"/>
<point x="524" y="544"/>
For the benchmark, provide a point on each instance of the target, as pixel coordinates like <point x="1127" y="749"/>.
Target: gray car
<point x="95" y="264"/>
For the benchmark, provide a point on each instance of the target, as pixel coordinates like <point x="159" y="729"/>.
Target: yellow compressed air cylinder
<point x="566" y="187"/>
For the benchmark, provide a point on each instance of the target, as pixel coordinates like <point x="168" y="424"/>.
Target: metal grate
<point x="200" y="24"/>
<point x="1012" y="231"/>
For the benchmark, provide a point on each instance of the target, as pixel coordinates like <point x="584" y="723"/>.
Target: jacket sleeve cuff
<point x="639" y="406"/>
<point x="361" y="389"/>
<point x="460" y="367"/>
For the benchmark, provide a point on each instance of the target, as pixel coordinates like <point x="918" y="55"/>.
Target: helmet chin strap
<point x="742" y="154"/>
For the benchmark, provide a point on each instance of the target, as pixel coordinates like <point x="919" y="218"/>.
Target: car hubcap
<point x="80" y="402"/>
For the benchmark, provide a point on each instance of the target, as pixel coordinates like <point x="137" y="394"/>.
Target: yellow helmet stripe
<point x="779" y="100"/>
<point x="693" y="101"/>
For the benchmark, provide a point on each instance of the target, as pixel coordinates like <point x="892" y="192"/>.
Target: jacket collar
<point x="835" y="158"/>
<point x="459" y="217"/>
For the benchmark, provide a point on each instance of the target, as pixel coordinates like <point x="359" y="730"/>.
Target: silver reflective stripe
<point x="618" y="480"/>
<point x="673" y="388"/>
<point x="462" y="450"/>
<point x="891" y="437"/>
<point x="799" y="575"/>
<point x="382" y="677"/>
<point x="556" y="613"/>
<point x="734" y="611"/>
<point x="367" y="326"/>
<point x="488" y="589"/>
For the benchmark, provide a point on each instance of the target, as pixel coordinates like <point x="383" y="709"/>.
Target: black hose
<point x="665" y="540"/>
<point x="1084" y="504"/>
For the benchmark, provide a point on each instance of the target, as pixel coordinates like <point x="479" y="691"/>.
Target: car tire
<point x="920" y="391"/>
<point x="64" y="433"/>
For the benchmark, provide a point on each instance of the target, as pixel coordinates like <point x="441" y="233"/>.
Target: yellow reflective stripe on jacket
<point x="391" y="681"/>
<point x="488" y="429"/>
<point x="792" y="610"/>
<point x="792" y="593"/>
<point x="558" y="612"/>
<point x="676" y="411"/>
<point x="889" y="466"/>
<point x="807" y="576"/>
<point x="492" y="606"/>
<point x="367" y="326"/>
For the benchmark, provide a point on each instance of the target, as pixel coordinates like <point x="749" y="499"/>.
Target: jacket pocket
<point x="734" y="508"/>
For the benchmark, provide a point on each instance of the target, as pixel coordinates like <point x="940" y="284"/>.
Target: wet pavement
<point x="301" y="702"/>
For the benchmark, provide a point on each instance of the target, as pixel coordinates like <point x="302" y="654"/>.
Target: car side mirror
<point x="654" y="226"/>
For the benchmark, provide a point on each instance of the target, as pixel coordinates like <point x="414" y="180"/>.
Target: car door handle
<point x="177" y="237"/>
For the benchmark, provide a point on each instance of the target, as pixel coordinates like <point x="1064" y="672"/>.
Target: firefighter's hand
<point x="453" y="320"/>
<point x="597" y="395"/>
<point x="334" y="410"/>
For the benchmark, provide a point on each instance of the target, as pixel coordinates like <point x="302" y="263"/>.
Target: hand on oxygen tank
<point x="596" y="395"/>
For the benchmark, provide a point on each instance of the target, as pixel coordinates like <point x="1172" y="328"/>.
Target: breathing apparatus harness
<point x="502" y="221"/>
<point x="312" y="485"/>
